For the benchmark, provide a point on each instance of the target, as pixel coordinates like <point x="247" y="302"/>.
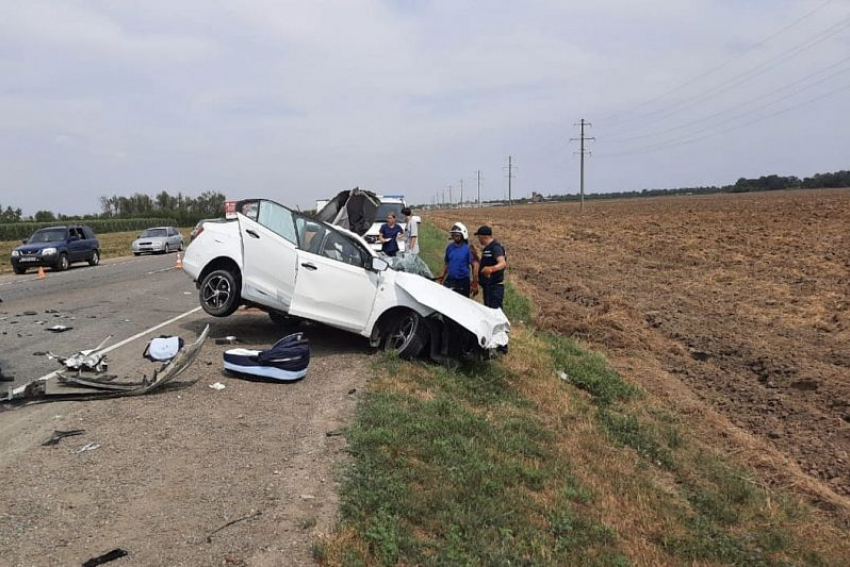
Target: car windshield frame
<point x="147" y="233"/>
<point x="61" y="233"/>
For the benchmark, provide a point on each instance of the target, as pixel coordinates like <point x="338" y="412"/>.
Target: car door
<point x="333" y="286"/>
<point x="268" y="254"/>
<point x="174" y="239"/>
<point x="76" y="245"/>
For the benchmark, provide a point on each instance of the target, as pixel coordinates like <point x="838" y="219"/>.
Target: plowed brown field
<point x="745" y="299"/>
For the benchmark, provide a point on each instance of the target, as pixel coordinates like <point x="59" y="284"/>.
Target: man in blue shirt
<point x="457" y="262"/>
<point x="389" y="232"/>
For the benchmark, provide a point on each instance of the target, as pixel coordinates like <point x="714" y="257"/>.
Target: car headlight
<point x="48" y="251"/>
<point x="15" y="253"/>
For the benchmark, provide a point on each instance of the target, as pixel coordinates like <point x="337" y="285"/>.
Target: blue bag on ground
<point x="286" y="360"/>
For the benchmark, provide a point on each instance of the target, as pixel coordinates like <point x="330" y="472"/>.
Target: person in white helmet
<point x="460" y="263"/>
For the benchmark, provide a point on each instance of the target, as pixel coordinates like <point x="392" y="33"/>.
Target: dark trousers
<point x="460" y="286"/>
<point x="494" y="295"/>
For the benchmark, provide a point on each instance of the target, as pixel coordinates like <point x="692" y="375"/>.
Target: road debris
<point x="218" y="386"/>
<point x="228" y="340"/>
<point x="58" y="435"/>
<point x="563" y="375"/>
<point x="87" y="447"/>
<point x="286" y="360"/>
<point x="116" y="553"/>
<point x="89" y="359"/>
<point x="163" y="348"/>
<point x="104" y="388"/>
<point x="58" y="328"/>
<point x="250" y="516"/>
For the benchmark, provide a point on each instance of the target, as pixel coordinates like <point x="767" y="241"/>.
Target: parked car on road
<point x="161" y="239"/>
<point x="57" y="247"/>
<point x="295" y="267"/>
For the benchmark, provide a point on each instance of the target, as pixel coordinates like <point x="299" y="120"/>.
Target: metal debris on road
<point x="228" y="340"/>
<point x="90" y="359"/>
<point x="218" y="386"/>
<point x="58" y="328"/>
<point x="116" y="553"/>
<point x="36" y="391"/>
<point x="58" y="435"/>
<point x="87" y="447"/>
<point x="250" y="516"/>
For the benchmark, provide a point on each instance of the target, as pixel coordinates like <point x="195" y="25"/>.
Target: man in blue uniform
<point x="389" y="232"/>
<point x="457" y="262"/>
<point x="492" y="270"/>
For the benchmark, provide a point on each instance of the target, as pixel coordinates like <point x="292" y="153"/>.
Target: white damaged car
<point x="296" y="268"/>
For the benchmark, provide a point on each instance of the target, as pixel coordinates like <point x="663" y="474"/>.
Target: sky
<point x="296" y="101"/>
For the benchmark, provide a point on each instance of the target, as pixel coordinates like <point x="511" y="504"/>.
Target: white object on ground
<point x="87" y="447"/>
<point x="217" y="386"/>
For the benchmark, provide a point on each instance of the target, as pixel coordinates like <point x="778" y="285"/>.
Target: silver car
<point x="162" y="239"/>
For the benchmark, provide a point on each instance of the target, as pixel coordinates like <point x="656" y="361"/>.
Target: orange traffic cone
<point x="41" y="273"/>
<point x="179" y="263"/>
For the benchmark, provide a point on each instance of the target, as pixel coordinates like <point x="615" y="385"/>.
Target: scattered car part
<point x="163" y="348"/>
<point x="36" y="391"/>
<point x="228" y="340"/>
<point x="87" y="447"/>
<point x="58" y="435"/>
<point x="218" y="386"/>
<point x="89" y="359"/>
<point x="58" y="329"/>
<point x="250" y="516"/>
<point x="117" y="553"/>
<point x="286" y="361"/>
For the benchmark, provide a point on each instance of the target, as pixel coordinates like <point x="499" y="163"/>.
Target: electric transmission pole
<point x="461" y="193"/>
<point x="582" y="152"/>
<point x="479" y="188"/>
<point x="451" y="198"/>
<point x="510" y="167"/>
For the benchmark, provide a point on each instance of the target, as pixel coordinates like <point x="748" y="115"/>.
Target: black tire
<point x="95" y="258"/>
<point x="407" y="335"/>
<point x="166" y="249"/>
<point x="63" y="263"/>
<point x="137" y="253"/>
<point x="219" y="293"/>
<point x="19" y="271"/>
<point x="181" y="247"/>
<point x="285" y="321"/>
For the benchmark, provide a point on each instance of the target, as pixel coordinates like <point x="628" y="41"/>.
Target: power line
<point x="741" y="78"/>
<point x="672" y="144"/>
<point x="760" y="98"/>
<point x="712" y="70"/>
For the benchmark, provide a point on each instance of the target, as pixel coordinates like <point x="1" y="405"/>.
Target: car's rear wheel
<point x="19" y="271"/>
<point x="285" y="321"/>
<point x="407" y="336"/>
<point x="95" y="258"/>
<point x="63" y="263"/>
<point x="219" y="293"/>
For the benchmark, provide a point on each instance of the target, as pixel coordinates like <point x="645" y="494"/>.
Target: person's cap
<point x="484" y="231"/>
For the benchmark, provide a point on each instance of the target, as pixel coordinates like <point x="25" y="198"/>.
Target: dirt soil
<point x="174" y="467"/>
<point x="743" y="298"/>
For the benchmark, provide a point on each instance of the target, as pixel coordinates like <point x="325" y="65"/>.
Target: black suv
<point x="57" y="247"/>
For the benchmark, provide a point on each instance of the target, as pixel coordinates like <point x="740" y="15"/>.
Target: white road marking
<point x="20" y="389"/>
<point x="71" y="272"/>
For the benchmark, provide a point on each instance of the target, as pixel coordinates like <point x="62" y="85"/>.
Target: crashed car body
<point x="295" y="267"/>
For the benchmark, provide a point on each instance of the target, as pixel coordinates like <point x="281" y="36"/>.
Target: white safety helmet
<point x="460" y="228"/>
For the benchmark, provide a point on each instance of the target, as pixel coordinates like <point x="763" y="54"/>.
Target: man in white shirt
<point x="411" y="232"/>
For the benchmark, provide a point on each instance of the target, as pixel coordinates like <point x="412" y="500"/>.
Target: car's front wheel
<point x="19" y="271"/>
<point x="408" y="335"/>
<point x="63" y="263"/>
<point x="95" y="258"/>
<point x="219" y="293"/>
<point x="284" y="321"/>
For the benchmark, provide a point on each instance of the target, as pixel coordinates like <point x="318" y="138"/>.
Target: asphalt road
<point x="122" y="297"/>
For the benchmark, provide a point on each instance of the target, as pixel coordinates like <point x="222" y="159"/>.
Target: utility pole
<point x="451" y="199"/>
<point x="479" y="188"/>
<point x="461" y="193"/>
<point x="510" y="167"/>
<point x="444" y="198"/>
<point x="582" y="152"/>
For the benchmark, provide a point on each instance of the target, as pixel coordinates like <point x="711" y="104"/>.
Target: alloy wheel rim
<point x="217" y="292"/>
<point x="403" y="332"/>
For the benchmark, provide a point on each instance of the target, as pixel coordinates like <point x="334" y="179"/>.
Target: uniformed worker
<point x="492" y="268"/>
<point x="457" y="262"/>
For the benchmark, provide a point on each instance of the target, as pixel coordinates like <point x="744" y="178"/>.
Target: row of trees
<point x="185" y="210"/>
<point x="743" y="185"/>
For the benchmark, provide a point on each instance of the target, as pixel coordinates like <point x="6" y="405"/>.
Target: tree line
<point x="183" y="209"/>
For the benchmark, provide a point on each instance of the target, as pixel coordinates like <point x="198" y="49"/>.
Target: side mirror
<point x="24" y="241"/>
<point x="379" y="264"/>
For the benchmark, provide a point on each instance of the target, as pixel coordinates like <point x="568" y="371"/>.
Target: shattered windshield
<point x="55" y="235"/>
<point x="154" y="233"/>
<point x="411" y="263"/>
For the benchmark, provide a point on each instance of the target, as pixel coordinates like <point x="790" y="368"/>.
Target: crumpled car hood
<point x="490" y="326"/>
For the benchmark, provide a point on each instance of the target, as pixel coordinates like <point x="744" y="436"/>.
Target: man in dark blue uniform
<point x="492" y="268"/>
<point x="457" y="262"/>
<point x="389" y="232"/>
